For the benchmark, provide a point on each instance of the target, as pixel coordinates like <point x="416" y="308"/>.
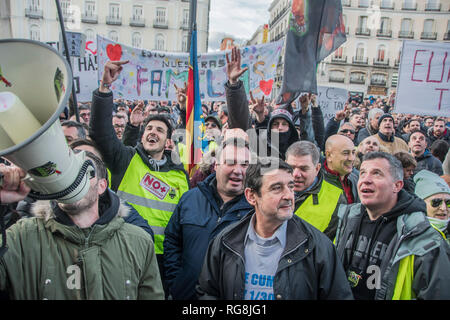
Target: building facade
<point x="148" y="24"/>
<point x="367" y="63"/>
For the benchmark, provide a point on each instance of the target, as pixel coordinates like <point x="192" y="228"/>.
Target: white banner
<point x="151" y="75"/>
<point x="331" y="100"/>
<point x="85" y="73"/>
<point x="424" y="79"/>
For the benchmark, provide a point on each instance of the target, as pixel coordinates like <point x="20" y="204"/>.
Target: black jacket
<point x="429" y="162"/>
<point x="116" y="155"/>
<point x="309" y="268"/>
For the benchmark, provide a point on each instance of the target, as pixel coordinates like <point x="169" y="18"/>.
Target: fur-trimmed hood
<point x="108" y="203"/>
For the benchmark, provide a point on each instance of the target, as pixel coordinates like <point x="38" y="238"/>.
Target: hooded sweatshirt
<point x="285" y="138"/>
<point x="374" y="238"/>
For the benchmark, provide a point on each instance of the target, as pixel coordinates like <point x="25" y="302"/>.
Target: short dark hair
<point x="304" y="148"/>
<point x="160" y="117"/>
<point x="406" y="159"/>
<point x="420" y="131"/>
<point x="395" y="166"/>
<point x="439" y="149"/>
<point x="81" y="128"/>
<point x="255" y="172"/>
<point x="84" y="142"/>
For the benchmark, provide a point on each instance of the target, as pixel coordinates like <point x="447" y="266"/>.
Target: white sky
<point x="236" y="18"/>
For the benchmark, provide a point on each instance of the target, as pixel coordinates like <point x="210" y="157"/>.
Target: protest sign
<point x="331" y="100"/>
<point x="85" y="73"/>
<point x="151" y="75"/>
<point x="424" y="79"/>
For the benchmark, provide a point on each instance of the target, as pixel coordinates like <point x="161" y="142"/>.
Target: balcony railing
<point x="33" y="13"/>
<point x="397" y="62"/>
<point x="377" y="82"/>
<point x="433" y="7"/>
<point x="406" y="34"/>
<point x="117" y="21"/>
<point x="409" y="6"/>
<point x="342" y="59"/>
<point x="360" y="60"/>
<point x="160" y="24"/>
<point x="382" y="63"/>
<point x="428" y="35"/>
<point x="384" y="33"/>
<point x="357" y="80"/>
<point x="362" y="32"/>
<point x="278" y="16"/>
<point x="137" y="22"/>
<point x="184" y="25"/>
<point x="447" y="35"/>
<point x="89" y="18"/>
<point x="336" y="79"/>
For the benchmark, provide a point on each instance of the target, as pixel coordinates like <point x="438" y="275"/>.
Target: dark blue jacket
<point x="196" y="220"/>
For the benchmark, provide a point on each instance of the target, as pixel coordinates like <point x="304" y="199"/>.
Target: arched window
<point x="160" y="42"/>
<point x="35" y="32"/>
<point x="136" y="40"/>
<point x="90" y="35"/>
<point x="113" y="35"/>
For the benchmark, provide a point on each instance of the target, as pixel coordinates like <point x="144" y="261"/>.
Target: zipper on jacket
<point x="86" y="239"/>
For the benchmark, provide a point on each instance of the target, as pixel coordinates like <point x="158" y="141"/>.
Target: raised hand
<point x="12" y="188"/>
<point x="257" y="105"/>
<point x="138" y="115"/>
<point x="234" y="70"/>
<point x="111" y="72"/>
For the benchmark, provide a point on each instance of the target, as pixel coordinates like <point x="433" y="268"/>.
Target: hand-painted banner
<point x="151" y="75"/>
<point x="331" y="100"/>
<point x="424" y="79"/>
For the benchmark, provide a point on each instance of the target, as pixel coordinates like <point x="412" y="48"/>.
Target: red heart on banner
<point x="266" y="86"/>
<point x="114" y="52"/>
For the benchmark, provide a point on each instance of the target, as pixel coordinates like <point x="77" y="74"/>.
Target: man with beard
<point x="271" y="253"/>
<point x="201" y="214"/>
<point x="439" y="131"/>
<point x="83" y="250"/>
<point x="316" y="200"/>
<point x="388" y="248"/>
<point x="145" y="175"/>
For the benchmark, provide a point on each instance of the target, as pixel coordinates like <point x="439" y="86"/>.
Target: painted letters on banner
<point x="151" y="75"/>
<point x="424" y="79"/>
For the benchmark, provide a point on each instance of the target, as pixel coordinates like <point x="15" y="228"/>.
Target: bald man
<point x="340" y="153"/>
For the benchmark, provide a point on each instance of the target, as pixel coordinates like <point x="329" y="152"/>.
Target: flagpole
<point x="66" y="48"/>
<point x="192" y="20"/>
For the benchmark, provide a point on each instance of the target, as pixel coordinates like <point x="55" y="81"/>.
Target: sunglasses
<point x="348" y="131"/>
<point x="437" y="202"/>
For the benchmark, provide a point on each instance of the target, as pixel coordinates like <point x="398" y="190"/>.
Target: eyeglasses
<point x="348" y="131"/>
<point x="437" y="202"/>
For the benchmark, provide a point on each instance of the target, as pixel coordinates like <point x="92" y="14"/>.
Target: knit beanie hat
<point x="386" y="115"/>
<point x="428" y="183"/>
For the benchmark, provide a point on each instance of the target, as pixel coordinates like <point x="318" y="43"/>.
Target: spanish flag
<point x="194" y="121"/>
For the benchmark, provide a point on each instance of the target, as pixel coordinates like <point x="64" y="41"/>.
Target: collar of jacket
<point x="57" y="220"/>
<point x="167" y="166"/>
<point x="386" y="138"/>
<point x="296" y="235"/>
<point x="334" y="173"/>
<point x="425" y="154"/>
<point x="314" y="190"/>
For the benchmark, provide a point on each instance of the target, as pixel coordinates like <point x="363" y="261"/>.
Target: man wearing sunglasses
<point x="348" y="130"/>
<point x="436" y="194"/>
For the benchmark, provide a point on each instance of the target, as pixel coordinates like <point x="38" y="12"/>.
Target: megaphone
<point x="35" y="85"/>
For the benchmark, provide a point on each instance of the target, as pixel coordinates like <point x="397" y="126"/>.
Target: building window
<point x="89" y="8"/>
<point x="136" y="40"/>
<point x="185" y="17"/>
<point x="137" y="13"/>
<point x="360" y="52"/>
<point x="90" y="35"/>
<point x="381" y="53"/>
<point x="114" y="36"/>
<point x="35" y="32"/>
<point x="34" y="4"/>
<point x="339" y="52"/>
<point x="159" y="42"/>
<point x="114" y="10"/>
<point x="161" y="15"/>
<point x="358" y="77"/>
<point x="184" y="44"/>
<point x="409" y="5"/>
<point x="378" y="79"/>
<point x="337" y="76"/>
<point x="65" y="8"/>
<point x="387" y="4"/>
<point x="364" y="3"/>
<point x="433" y="5"/>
